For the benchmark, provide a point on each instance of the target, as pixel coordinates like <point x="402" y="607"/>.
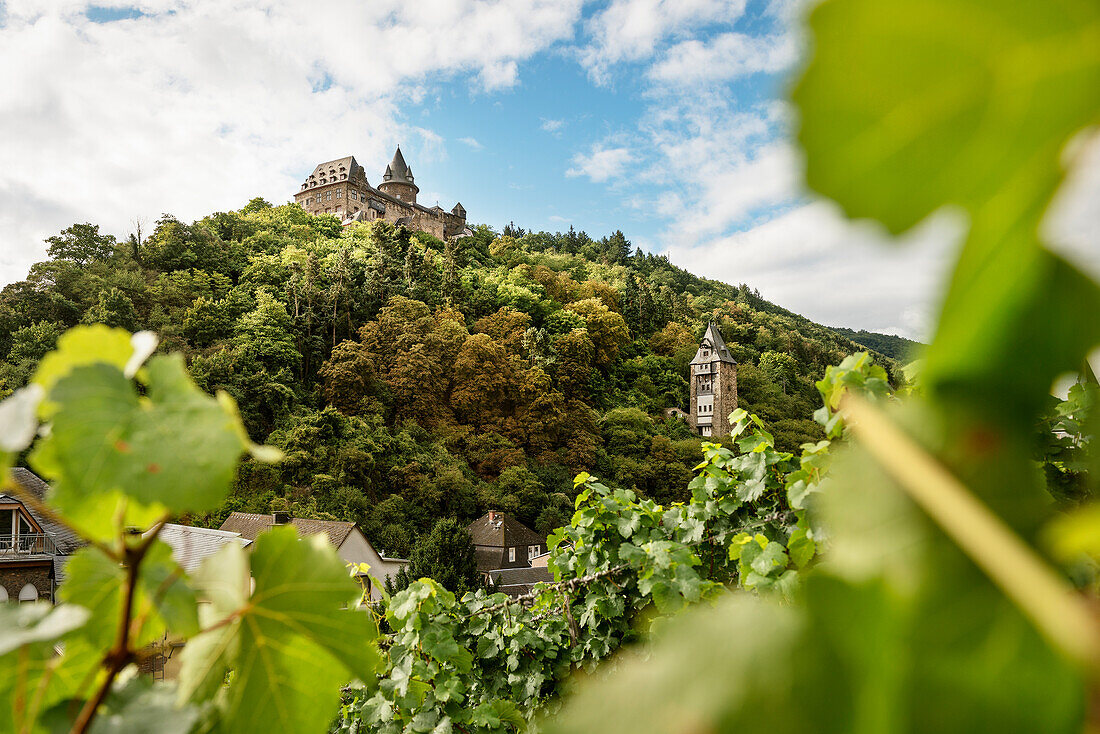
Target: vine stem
<point x="120" y="655"/>
<point x="1056" y="610"/>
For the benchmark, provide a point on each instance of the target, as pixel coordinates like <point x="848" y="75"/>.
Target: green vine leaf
<point x="292" y="642"/>
<point x="162" y="598"/>
<point x="941" y="103"/>
<point x="176" y="448"/>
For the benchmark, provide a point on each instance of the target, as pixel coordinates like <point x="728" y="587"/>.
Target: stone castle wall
<point x="346" y="199"/>
<point x="725" y="398"/>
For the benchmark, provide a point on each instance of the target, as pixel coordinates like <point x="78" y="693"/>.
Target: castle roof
<point x="398" y="171"/>
<point x="713" y="347"/>
<point x="340" y="169"/>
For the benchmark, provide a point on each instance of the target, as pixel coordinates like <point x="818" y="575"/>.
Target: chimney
<point x="281" y="518"/>
<point x="492" y="515"/>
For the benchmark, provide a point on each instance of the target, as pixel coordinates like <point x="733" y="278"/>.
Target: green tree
<point x="81" y="244"/>
<point x="445" y="555"/>
<point x="114" y="308"/>
<point x="781" y="369"/>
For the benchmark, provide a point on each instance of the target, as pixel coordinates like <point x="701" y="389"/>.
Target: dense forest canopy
<point x="409" y="379"/>
<point x="897" y="347"/>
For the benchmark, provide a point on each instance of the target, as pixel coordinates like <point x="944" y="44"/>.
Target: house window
<point x="338" y="193"/>
<point x="532" y="551"/>
<point x="511" y="554"/>
<point x="28" y="593"/>
<point x="3" y="595"/>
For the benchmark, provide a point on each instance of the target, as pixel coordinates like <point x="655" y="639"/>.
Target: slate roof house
<point x="33" y="550"/>
<point x="191" y="546"/>
<point x="504" y="549"/>
<point x="348" y="540"/>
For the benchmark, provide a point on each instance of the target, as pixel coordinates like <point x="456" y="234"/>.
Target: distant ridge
<point x="897" y="347"/>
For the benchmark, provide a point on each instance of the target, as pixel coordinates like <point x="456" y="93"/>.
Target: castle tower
<point x="713" y="385"/>
<point x="397" y="181"/>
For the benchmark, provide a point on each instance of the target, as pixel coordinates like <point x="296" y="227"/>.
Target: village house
<point x="349" y="541"/>
<point x="505" y="549"/>
<point x="33" y="550"/>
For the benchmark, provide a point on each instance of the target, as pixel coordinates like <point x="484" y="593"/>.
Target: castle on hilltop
<point x="340" y="187"/>
<point x="713" y="385"/>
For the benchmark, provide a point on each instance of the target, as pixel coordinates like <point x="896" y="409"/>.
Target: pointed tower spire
<point x="398" y="180"/>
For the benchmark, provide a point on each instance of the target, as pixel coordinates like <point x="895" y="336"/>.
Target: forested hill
<point x="408" y="379"/>
<point x="896" y="347"/>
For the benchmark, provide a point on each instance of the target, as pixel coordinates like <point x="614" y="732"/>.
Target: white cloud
<point x="201" y="104"/>
<point x="813" y="261"/>
<point x="472" y="142"/>
<point x="724" y="57"/>
<point x="631" y="30"/>
<point x="1072" y="224"/>
<point x="552" y="126"/>
<point x="601" y="164"/>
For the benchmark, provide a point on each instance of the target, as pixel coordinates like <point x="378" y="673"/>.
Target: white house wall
<point x="357" y="549"/>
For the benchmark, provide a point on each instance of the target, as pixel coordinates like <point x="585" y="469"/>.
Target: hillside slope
<point x="408" y="379"/>
<point x="895" y="347"/>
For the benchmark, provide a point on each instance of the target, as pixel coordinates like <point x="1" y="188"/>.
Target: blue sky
<point x="663" y="118"/>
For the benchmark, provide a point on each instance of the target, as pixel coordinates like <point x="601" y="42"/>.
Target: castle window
<point x="338" y="193"/>
<point x="28" y="593"/>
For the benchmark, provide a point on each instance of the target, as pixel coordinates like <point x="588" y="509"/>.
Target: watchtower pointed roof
<point x="398" y="171"/>
<point x="713" y="348"/>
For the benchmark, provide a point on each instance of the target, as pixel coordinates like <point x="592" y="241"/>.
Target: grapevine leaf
<point x="921" y="111"/>
<point x="30" y="623"/>
<point x="162" y="598"/>
<point x="138" y="706"/>
<point x="29" y="661"/>
<point x="81" y="346"/>
<point x="177" y="448"/>
<point x="292" y="642"/>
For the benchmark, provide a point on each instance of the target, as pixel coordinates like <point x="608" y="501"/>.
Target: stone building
<point x="33" y="549"/>
<point x="713" y="385"/>
<point x="340" y="187"/>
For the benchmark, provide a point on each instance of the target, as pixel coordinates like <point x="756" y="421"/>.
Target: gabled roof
<point x="191" y="546"/>
<point x="250" y="526"/>
<point x="715" y="347"/>
<point x="64" y="539"/>
<point x="503" y="531"/>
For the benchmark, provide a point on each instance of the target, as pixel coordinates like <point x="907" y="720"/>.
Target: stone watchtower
<point x="397" y="181"/>
<point x="713" y="385"/>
